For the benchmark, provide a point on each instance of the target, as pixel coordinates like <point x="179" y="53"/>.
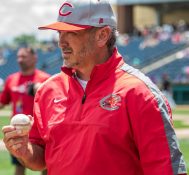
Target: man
<point x="167" y="90"/>
<point x="20" y="87"/>
<point x="99" y="115"/>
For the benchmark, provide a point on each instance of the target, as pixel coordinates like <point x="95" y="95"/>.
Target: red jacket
<point x="120" y="125"/>
<point x="15" y="91"/>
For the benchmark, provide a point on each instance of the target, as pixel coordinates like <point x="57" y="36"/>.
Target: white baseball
<point x="21" y="122"/>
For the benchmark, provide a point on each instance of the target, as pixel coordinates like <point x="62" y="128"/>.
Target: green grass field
<point x="7" y="169"/>
<point x="4" y="120"/>
<point x="184" y="145"/>
<point x="180" y="124"/>
<point x="181" y="111"/>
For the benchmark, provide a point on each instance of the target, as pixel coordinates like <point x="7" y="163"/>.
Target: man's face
<point x="25" y="59"/>
<point x="78" y="48"/>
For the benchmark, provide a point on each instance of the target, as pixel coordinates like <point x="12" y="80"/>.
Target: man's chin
<point x="23" y="68"/>
<point x="70" y="65"/>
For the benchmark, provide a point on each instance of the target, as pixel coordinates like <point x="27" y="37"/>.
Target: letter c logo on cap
<point x="61" y="13"/>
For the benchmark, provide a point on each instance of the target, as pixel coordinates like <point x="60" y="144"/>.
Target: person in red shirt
<point x="20" y="87"/>
<point x="98" y="116"/>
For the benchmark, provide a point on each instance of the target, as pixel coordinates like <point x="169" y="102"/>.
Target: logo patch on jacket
<point x="111" y="102"/>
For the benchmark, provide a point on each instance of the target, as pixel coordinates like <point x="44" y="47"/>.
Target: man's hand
<point x="15" y="141"/>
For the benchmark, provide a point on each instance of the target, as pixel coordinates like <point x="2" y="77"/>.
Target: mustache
<point x="66" y="49"/>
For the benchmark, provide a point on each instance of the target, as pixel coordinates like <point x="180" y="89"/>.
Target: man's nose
<point x="63" y="44"/>
<point x="20" y="59"/>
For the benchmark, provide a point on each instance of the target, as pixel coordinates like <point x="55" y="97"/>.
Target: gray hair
<point x="112" y="40"/>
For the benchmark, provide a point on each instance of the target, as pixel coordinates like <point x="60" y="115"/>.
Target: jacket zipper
<point x="83" y="98"/>
<point x="84" y="95"/>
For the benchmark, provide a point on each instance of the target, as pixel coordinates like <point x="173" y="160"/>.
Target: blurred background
<point x="153" y="37"/>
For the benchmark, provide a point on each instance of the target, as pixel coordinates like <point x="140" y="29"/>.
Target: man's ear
<point x="103" y="35"/>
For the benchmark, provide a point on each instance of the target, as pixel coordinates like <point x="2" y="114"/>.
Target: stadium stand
<point x="138" y="51"/>
<point x="49" y="61"/>
<point x="141" y="57"/>
<point x="175" y="70"/>
<point x="10" y="66"/>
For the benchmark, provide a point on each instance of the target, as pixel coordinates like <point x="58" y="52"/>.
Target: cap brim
<point x="60" y="26"/>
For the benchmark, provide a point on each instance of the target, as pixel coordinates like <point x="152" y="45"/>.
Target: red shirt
<point x="16" y="91"/>
<point x="120" y="125"/>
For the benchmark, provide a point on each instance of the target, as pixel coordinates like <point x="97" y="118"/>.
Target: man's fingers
<point x="31" y="119"/>
<point x="16" y="147"/>
<point x="12" y="134"/>
<point x="12" y="137"/>
<point x="16" y="150"/>
<point x="12" y="142"/>
<point x="15" y="140"/>
<point x="7" y="128"/>
<point x="8" y="131"/>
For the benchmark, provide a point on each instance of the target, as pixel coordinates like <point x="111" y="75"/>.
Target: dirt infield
<point x="184" y="119"/>
<point x="185" y="107"/>
<point x="182" y="133"/>
<point x="5" y="113"/>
